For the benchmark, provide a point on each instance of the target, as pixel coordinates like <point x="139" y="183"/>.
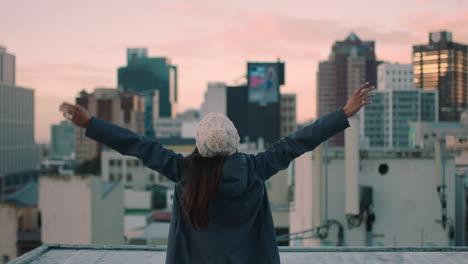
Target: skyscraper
<point x="385" y="122"/>
<point x="442" y="65"/>
<point x="145" y="76"/>
<point x="119" y="107"/>
<point x="215" y="99"/>
<point x="255" y="108"/>
<point x="18" y="152"/>
<point x="288" y="114"/>
<point x="351" y="63"/>
<point x="62" y="139"/>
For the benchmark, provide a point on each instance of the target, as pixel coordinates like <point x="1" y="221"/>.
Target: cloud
<point x="66" y="67"/>
<point x="425" y="22"/>
<point x="219" y="43"/>
<point x="199" y="9"/>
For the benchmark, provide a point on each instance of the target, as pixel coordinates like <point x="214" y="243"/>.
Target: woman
<point x="221" y="211"/>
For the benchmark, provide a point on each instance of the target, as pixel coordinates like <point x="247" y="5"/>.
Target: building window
<point x="129" y="163"/>
<point x="152" y="178"/>
<point x="20" y="223"/>
<point x="39" y="220"/>
<point x="111" y="162"/>
<point x="111" y="177"/>
<point x="129" y="177"/>
<point x="119" y="163"/>
<point x="136" y="163"/>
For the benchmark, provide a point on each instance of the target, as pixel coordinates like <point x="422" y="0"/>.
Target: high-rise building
<point x="145" y="76"/>
<point x="288" y="114"/>
<point x="122" y="108"/>
<point x="62" y="139"/>
<point x="255" y="108"/>
<point x="442" y="65"/>
<point x="395" y="76"/>
<point x="7" y="67"/>
<point x="18" y="152"/>
<point x="351" y="63"/>
<point x="215" y="99"/>
<point x="385" y="122"/>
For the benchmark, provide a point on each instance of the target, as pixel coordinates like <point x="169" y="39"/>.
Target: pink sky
<point x="63" y="47"/>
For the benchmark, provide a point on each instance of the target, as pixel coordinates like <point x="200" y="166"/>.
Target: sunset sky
<point x="62" y="47"/>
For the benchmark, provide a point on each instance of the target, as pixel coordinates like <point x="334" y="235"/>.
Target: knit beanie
<point x="216" y="136"/>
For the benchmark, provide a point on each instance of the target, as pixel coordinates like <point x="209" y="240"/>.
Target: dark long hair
<point x="201" y="182"/>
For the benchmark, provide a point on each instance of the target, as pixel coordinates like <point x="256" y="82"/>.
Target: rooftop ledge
<point x="72" y="254"/>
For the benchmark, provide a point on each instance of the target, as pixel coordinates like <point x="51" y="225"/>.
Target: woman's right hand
<point x="358" y="100"/>
<point x="77" y="114"/>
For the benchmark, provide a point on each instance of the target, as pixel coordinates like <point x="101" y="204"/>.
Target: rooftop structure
<point x="72" y="254"/>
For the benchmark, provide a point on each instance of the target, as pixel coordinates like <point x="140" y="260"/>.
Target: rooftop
<point x="72" y="254"/>
<point x="25" y="196"/>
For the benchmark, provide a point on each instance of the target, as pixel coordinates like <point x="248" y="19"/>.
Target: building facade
<point x="116" y="167"/>
<point x="402" y="198"/>
<point x="147" y="76"/>
<point x="351" y="63"/>
<point x="215" y="99"/>
<point x="168" y="128"/>
<point x="255" y="108"/>
<point x="395" y="76"/>
<point x="122" y="108"/>
<point x="424" y="134"/>
<point x="288" y="114"/>
<point x="18" y="152"/>
<point x="62" y="139"/>
<point x="385" y="122"/>
<point x="183" y="126"/>
<point x="81" y="210"/>
<point x="442" y="65"/>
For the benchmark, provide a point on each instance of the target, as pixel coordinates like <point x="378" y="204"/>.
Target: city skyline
<point x="79" y="46"/>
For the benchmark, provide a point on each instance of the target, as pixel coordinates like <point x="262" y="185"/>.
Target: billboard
<point x="263" y="82"/>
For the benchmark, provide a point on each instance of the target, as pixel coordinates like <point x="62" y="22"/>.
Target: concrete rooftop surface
<point x="93" y="254"/>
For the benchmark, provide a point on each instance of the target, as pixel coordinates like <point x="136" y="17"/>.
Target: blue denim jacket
<point x="241" y="228"/>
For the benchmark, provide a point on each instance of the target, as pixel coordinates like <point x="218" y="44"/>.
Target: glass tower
<point x="442" y="65"/>
<point x="151" y="78"/>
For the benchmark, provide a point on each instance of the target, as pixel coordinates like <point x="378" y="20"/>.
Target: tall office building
<point x="395" y="76"/>
<point x="255" y="108"/>
<point x="18" y="152"/>
<point x="146" y="76"/>
<point x="215" y="99"/>
<point x="288" y="114"/>
<point x="62" y="139"/>
<point x="385" y="122"/>
<point x="442" y="65"/>
<point x="351" y="63"/>
<point x="122" y="108"/>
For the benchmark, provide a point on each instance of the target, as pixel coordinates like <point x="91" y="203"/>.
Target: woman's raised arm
<point x="126" y="142"/>
<point x="278" y="156"/>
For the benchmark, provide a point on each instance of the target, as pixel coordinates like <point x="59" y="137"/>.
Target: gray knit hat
<point x="216" y="136"/>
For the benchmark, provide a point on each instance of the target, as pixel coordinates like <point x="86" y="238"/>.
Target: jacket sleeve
<point x="126" y="142"/>
<point x="278" y="156"/>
